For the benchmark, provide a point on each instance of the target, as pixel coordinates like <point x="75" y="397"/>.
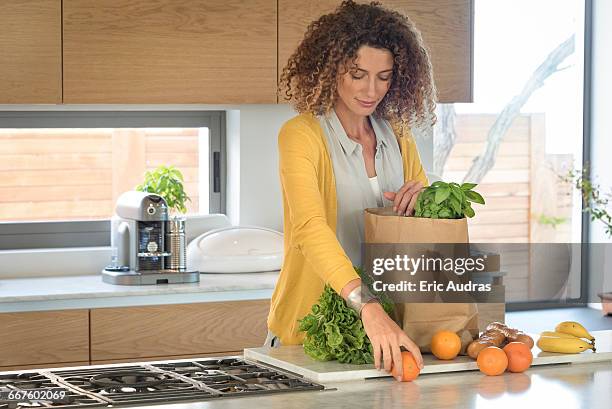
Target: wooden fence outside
<point x="77" y="174"/>
<point x="522" y="185"/>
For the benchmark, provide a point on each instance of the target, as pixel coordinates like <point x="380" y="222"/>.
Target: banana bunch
<point x="567" y="338"/>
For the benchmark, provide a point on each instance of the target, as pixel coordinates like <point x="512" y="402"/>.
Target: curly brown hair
<point x="329" y="49"/>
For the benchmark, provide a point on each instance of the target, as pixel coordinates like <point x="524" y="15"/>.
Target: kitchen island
<point x="560" y="386"/>
<point x="568" y="386"/>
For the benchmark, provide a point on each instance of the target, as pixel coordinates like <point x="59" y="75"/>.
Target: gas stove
<point x="152" y="383"/>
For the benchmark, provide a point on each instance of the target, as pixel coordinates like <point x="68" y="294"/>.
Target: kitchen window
<point x="61" y="172"/>
<point x="525" y="131"/>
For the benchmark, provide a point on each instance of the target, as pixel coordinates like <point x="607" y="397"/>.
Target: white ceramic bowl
<point x="236" y="249"/>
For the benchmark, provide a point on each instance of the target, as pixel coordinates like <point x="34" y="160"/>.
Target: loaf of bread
<point x="497" y="334"/>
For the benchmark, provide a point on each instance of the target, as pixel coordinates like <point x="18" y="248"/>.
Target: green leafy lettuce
<point x="335" y="331"/>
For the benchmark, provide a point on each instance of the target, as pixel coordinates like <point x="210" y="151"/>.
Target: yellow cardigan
<point x="312" y="254"/>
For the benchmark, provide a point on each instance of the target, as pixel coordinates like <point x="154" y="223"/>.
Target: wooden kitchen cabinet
<point x="162" y="331"/>
<point x="169" y="51"/>
<point x="168" y="357"/>
<point x="43" y="366"/>
<point x="30" y="52"/>
<point x="43" y="339"/>
<point x="49" y="339"/>
<point x="189" y="51"/>
<point x="446" y="26"/>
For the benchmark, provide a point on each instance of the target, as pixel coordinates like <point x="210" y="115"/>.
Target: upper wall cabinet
<point x="446" y="26"/>
<point x="169" y="51"/>
<point x="30" y="52"/>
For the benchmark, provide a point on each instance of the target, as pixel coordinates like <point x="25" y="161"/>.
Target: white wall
<point x="253" y="182"/>
<point x="601" y="136"/>
<point x="232" y="146"/>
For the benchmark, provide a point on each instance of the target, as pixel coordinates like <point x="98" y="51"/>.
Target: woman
<point x="359" y="78"/>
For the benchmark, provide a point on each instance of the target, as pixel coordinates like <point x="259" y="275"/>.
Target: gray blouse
<point x="354" y="190"/>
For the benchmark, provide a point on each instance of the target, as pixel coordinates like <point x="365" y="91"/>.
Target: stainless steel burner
<point x="128" y="379"/>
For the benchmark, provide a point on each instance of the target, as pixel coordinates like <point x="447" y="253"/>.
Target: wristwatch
<point x="358" y="298"/>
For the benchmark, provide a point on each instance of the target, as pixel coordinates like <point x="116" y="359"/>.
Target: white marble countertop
<point x="88" y="291"/>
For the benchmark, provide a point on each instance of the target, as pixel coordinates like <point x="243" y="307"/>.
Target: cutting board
<point x="292" y="358"/>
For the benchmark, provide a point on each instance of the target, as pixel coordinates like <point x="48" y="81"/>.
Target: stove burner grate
<point x="164" y="382"/>
<point x="128" y="379"/>
<point x="36" y="380"/>
<point x="236" y="377"/>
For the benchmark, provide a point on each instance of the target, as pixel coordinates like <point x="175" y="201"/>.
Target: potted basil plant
<point x="167" y="181"/>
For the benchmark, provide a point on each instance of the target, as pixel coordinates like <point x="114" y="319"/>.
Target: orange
<point x="410" y="368"/>
<point x="492" y="361"/>
<point x="445" y="345"/>
<point x="519" y="356"/>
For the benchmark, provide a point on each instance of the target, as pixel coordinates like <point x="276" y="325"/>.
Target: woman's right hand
<point x="386" y="338"/>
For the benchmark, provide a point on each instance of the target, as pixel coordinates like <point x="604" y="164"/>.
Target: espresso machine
<point x="148" y="246"/>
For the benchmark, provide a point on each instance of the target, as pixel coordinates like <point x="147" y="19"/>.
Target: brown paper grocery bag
<point x="383" y="225"/>
<point x="421" y="320"/>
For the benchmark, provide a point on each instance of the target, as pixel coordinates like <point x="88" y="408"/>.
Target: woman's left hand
<point x="405" y="199"/>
